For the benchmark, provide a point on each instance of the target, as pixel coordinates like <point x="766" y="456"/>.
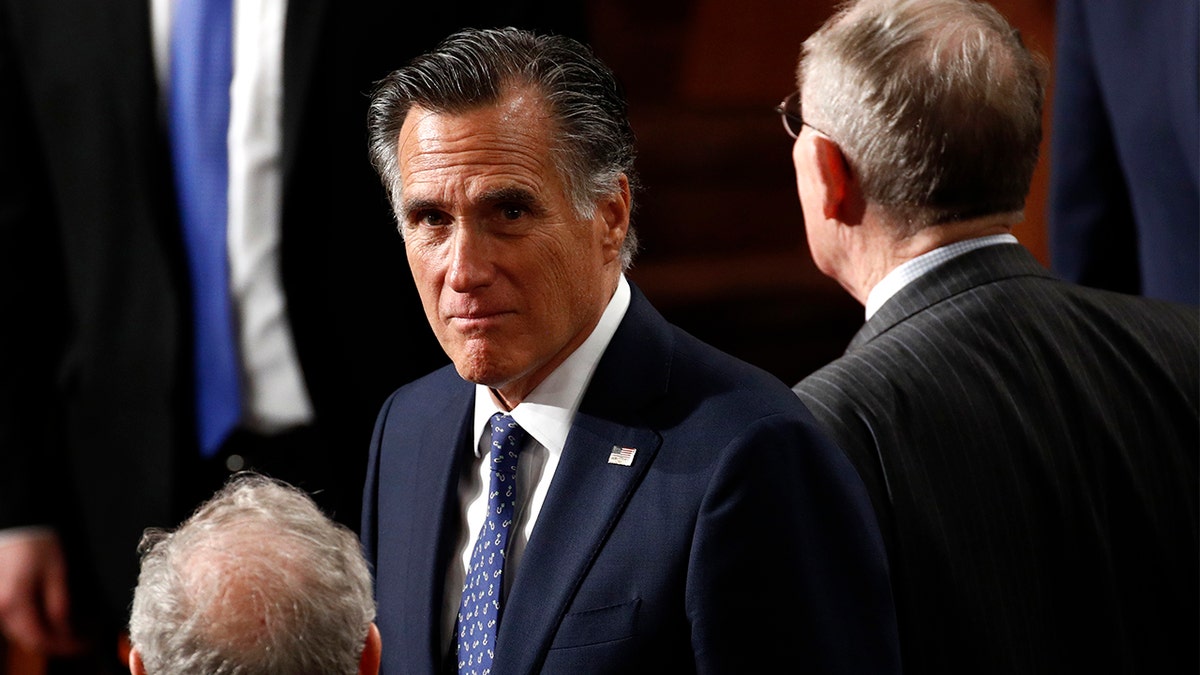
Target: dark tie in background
<point x="482" y="598"/>
<point x="198" y="110"/>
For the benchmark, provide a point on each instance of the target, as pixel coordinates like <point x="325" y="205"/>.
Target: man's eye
<point x="431" y="219"/>
<point x="512" y="212"/>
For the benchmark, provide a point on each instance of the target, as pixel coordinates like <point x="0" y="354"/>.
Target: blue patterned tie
<point x="479" y="611"/>
<point x="198" y="111"/>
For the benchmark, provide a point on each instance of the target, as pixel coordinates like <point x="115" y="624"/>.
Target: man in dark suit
<point x="97" y="415"/>
<point x="1125" y="147"/>
<point x="674" y="509"/>
<point x="1030" y="446"/>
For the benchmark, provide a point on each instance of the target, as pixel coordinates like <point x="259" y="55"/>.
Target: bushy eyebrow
<point x="411" y="206"/>
<point x="510" y="194"/>
<point x="503" y="195"/>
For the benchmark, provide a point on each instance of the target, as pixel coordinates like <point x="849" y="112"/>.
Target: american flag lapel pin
<point x="622" y="456"/>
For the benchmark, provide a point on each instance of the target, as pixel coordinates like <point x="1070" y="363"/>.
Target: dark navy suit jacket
<point x="740" y="539"/>
<point x="1031" y="448"/>
<point x="1125" y="165"/>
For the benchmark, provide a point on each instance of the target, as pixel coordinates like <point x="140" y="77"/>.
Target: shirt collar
<point x="911" y="270"/>
<point x="547" y="411"/>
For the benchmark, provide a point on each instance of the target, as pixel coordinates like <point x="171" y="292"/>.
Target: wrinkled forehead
<point x="520" y="112"/>
<point x="508" y="142"/>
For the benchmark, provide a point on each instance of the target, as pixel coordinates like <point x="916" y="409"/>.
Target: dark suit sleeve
<point x="31" y="304"/>
<point x="1092" y="235"/>
<point x="788" y="571"/>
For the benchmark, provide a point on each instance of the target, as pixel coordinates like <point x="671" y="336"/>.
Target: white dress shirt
<point x="546" y="415"/>
<point x="274" y="396"/>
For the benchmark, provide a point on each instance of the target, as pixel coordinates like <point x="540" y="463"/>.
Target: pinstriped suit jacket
<point x="1031" y="450"/>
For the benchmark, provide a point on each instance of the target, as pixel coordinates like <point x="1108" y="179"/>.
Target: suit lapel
<point x="138" y="102"/>
<point x="428" y="525"/>
<point x="958" y="275"/>
<point x="588" y="493"/>
<point x="139" y="109"/>
<point x="584" y="502"/>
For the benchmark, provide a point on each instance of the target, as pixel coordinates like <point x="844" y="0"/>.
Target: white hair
<point x="257" y="582"/>
<point x="936" y="105"/>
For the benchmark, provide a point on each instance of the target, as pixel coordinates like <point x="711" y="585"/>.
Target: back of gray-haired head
<point x="936" y="104"/>
<point x="257" y="582"/>
<point x="476" y="68"/>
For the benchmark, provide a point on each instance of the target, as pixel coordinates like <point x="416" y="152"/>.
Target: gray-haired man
<point x="258" y="581"/>
<point x="1030" y="445"/>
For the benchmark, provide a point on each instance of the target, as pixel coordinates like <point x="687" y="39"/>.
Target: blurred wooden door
<point x="19" y="662"/>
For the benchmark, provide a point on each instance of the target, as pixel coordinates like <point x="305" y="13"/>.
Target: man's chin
<point x="479" y="366"/>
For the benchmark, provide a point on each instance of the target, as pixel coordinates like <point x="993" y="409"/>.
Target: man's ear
<point x="135" y="663"/>
<point x="368" y="663"/>
<point x="614" y="211"/>
<point x="842" y="200"/>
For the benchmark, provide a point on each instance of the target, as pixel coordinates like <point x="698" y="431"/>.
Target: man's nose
<point x="470" y="260"/>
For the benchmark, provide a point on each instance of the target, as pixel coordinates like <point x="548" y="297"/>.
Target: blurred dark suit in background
<point x="1125" y="182"/>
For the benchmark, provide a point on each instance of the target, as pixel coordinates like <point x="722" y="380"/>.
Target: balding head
<point x="257" y="581"/>
<point x="935" y="104"/>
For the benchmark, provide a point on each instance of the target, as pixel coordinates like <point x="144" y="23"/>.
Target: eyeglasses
<point x="789" y="111"/>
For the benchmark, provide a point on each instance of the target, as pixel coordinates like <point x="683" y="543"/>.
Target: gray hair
<point x="257" y="582"/>
<point x="474" y="68"/>
<point x="936" y="105"/>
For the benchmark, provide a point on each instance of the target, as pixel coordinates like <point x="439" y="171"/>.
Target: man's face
<point x="512" y="280"/>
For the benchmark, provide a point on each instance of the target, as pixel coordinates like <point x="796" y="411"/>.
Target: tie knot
<point x="507" y="439"/>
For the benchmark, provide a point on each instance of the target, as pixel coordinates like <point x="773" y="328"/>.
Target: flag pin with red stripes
<point x="622" y="456"/>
